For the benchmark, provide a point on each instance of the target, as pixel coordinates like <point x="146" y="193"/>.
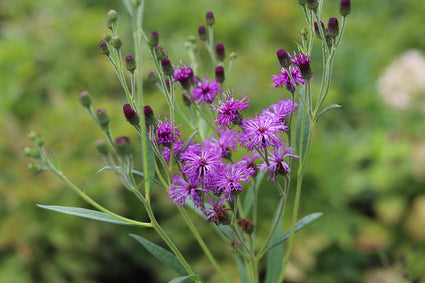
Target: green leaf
<point x="181" y="279"/>
<point x="187" y="142"/>
<point x="300" y="224"/>
<point x="328" y="108"/>
<point x="275" y="256"/>
<point x="242" y="270"/>
<point x="249" y="197"/>
<point x="86" y="213"/>
<point x="162" y="255"/>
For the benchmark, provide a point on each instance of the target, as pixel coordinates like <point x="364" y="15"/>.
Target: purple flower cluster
<point x="166" y="134"/>
<point x="228" y="110"/>
<point x="205" y="92"/>
<point x="282" y="79"/>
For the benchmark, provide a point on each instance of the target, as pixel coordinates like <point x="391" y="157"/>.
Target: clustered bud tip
<point x="85" y="99"/>
<point x="210" y="18"/>
<point x="219" y="51"/>
<point x="284" y="58"/>
<point x="317" y="30"/>
<point x="345" y="7"/>
<point x="149" y="117"/>
<point x="111" y="18"/>
<point x="333" y="28"/>
<point x="130" y="63"/>
<point x="153" y="39"/>
<point x="219" y="74"/>
<point x="312" y="4"/>
<point x="102" y="118"/>
<point x="123" y="146"/>
<point x="116" y="42"/>
<point x="104" y="48"/>
<point x="131" y="115"/>
<point x="202" y="31"/>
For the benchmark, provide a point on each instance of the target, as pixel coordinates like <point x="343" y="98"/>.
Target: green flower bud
<point x="111" y="18"/>
<point x="153" y="39"/>
<point x="39" y="141"/>
<point x="312" y="4"/>
<point x="102" y="147"/>
<point x="85" y="99"/>
<point x="102" y="117"/>
<point x="107" y="37"/>
<point x="36" y="168"/>
<point x="123" y="146"/>
<point x="32" y="135"/>
<point x="116" y="42"/>
<point x="104" y="49"/>
<point x="130" y="63"/>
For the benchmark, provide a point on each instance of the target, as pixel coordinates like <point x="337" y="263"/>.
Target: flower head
<point x="166" y="134"/>
<point x="184" y="75"/>
<point x="217" y="212"/>
<point x="302" y="61"/>
<point x="198" y="164"/>
<point x="277" y="164"/>
<point x="221" y="146"/>
<point x="261" y="132"/>
<point x="180" y="190"/>
<point x="280" y="110"/>
<point x="283" y="79"/>
<point x="230" y="178"/>
<point x="228" y="110"/>
<point x="205" y="91"/>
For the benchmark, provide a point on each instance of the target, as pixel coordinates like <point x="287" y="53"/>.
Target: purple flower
<point x="221" y="146"/>
<point x="283" y="79"/>
<point x="205" y="91"/>
<point x="277" y="164"/>
<point x="217" y="212"/>
<point x="183" y="75"/>
<point x="260" y="132"/>
<point x="230" y="178"/>
<point x="166" y="134"/>
<point x="228" y="110"/>
<point x="282" y="109"/>
<point x="200" y="163"/>
<point x="166" y="151"/>
<point x="248" y="162"/>
<point x="180" y="190"/>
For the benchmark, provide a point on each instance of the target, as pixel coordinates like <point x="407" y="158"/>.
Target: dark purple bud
<point x="149" y="117"/>
<point x="111" y="18"/>
<point x="104" y="48"/>
<point x="333" y="28"/>
<point x="246" y="225"/>
<point x="202" y="33"/>
<point x="219" y="51"/>
<point x="210" y="18"/>
<point x="284" y="58"/>
<point x="130" y="63"/>
<point x="131" y="115"/>
<point x="102" y="118"/>
<point x="345" y="7"/>
<point x="312" y="4"/>
<point x="116" y="42"/>
<point x="85" y="99"/>
<point x="219" y="74"/>
<point x="153" y="39"/>
<point x="167" y="68"/>
<point x="316" y="29"/>
<point x="160" y="53"/>
<point x="123" y="146"/>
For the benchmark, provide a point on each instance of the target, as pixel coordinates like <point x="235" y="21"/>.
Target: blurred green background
<point x="366" y="169"/>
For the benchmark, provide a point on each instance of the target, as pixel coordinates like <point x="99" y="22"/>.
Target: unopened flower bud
<point x="317" y="30"/>
<point x="312" y="4"/>
<point x="284" y="58"/>
<point x="233" y="55"/>
<point x="32" y="135"/>
<point x="85" y="99"/>
<point x="160" y="53"/>
<point x="111" y="18"/>
<point x="39" y="141"/>
<point x="302" y="2"/>
<point x="131" y="115"/>
<point x="333" y="28"/>
<point x="304" y="33"/>
<point x="149" y="117"/>
<point x="219" y="51"/>
<point x="107" y="37"/>
<point x="345" y="7"/>
<point x="246" y="225"/>
<point x="152" y="78"/>
<point x="102" y="118"/>
<point x="202" y="31"/>
<point x="104" y="48"/>
<point x="210" y="18"/>
<point x="167" y="68"/>
<point x="116" y="42"/>
<point x="219" y="74"/>
<point x="130" y="63"/>
<point x="153" y="39"/>
<point x="123" y="146"/>
<point x="186" y="100"/>
<point x="36" y="168"/>
<point x="32" y="153"/>
<point x="102" y="147"/>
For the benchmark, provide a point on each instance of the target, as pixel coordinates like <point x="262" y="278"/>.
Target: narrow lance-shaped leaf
<point x="300" y="224"/>
<point x="134" y="172"/>
<point x="86" y="213"/>
<point x="275" y="256"/>
<point x="162" y="255"/>
<point x="181" y="279"/>
<point x="187" y="143"/>
<point x="328" y="108"/>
